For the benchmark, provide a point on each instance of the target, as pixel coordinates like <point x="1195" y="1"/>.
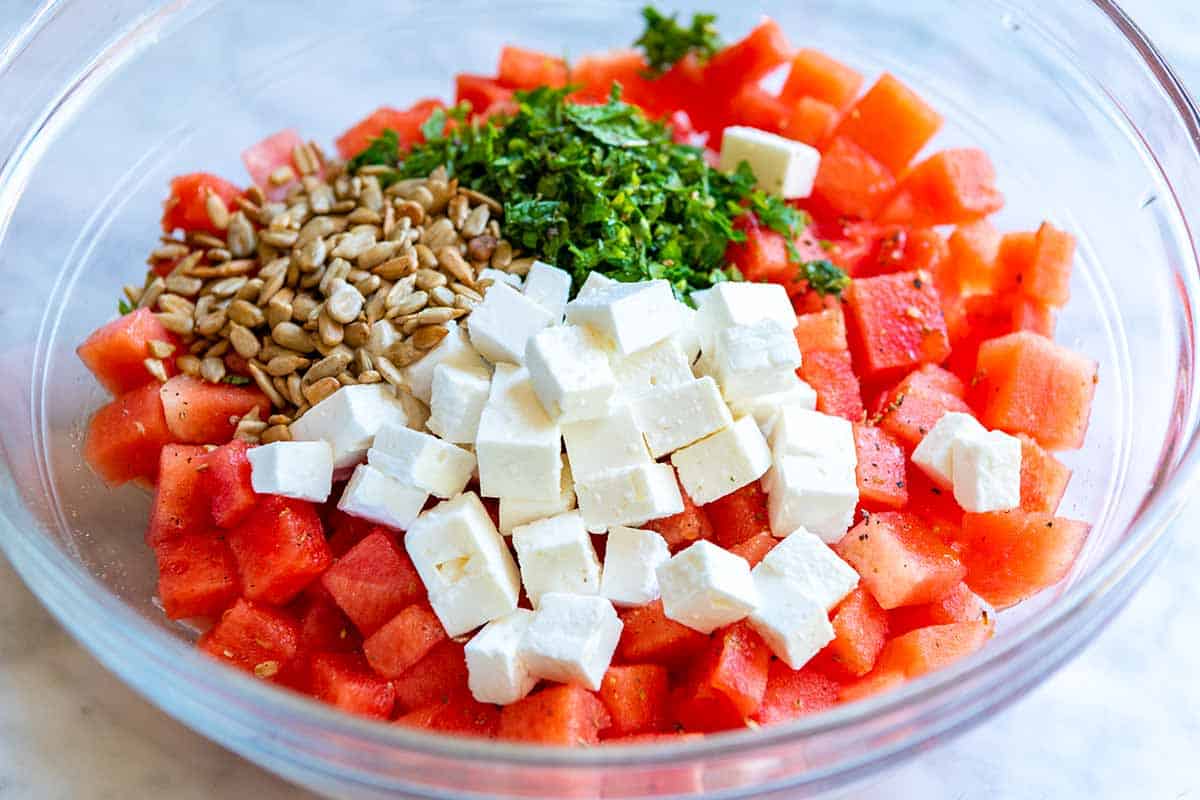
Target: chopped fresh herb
<point x="123" y="307"/>
<point x="665" y="41"/>
<point x="236" y="380"/>
<point x="824" y="277"/>
<point x="600" y="188"/>
<point x="383" y="149"/>
<point x="435" y="126"/>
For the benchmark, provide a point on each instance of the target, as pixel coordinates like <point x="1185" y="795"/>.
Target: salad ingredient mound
<point x="622" y="399"/>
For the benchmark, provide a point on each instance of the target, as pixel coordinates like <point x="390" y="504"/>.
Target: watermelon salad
<point x="623" y="398"/>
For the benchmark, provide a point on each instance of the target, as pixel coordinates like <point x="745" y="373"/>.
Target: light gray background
<point x="1121" y="721"/>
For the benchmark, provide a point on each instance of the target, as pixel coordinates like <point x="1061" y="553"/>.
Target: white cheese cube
<point x="632" y="316"/>
<point x="514" y="511"/>
<point x="724" y="462"/>
<point x="499" y="276"/>
<point x="458" y="397"/>
<point x="987" y="472"/>
<point x="599" y="445"/>
<point x="594" y="281"/>
<point x="421" y="460"/>
<point x="706" y="587"/>
<point x="556" y="555"/>
<point x="808" y="492"/>
<point x="782" y="166"/>
<point x="570" y="373"/>
<point x="378" y="498"/>
<point x="549" y="287"/>
<point x="672" y="417"/>
<point x="819" y="573"/>
<point x="755" y="359"/>
<point x="571" y="639"/>
<point x="631" y="561"/>
<point x="348" y="419"/>
<point x="662" y="364"/>
<point x="688" y="335"/>
<point x="793" y="625"/>
<point x="628" y="496"/>
<point x="799" y="431"/>
<point x="496" y="673"/>
<point x="765" y="408"/>
<point x="464" y="563"/>
<point x="518" y="446"/>
<point x="934" y="454"/>
<point x="455" y="350"/>
<point x="502" y="324"/>
<point x="303" y="470"/>
<point x="739" y="303"/>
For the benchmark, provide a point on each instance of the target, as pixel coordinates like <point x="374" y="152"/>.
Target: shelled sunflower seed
<point x="340" y="282"/>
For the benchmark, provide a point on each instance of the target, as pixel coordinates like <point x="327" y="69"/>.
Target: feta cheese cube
<point x="514" y="511"/>
<point x="455" y="350"/>
<point x="421" y="460"/>
<point x="593" y="282"/>
<point x="632" y="316"/>
<point x="628" y="496"/>
<point x="457" y="399"/>
<point x="987" y="472"/>
<point x="706" y="587"/>
<point x="782" y="166"/>
<point x="724" y="462"/>
<point x="631" y="560"/>
<point x="599" y="445"/>
<point x="799" y="431"/>
<point x="755" y="359"/>
<point x="672" y="417"/>
<point x="464" y="563"/>
<point x="502" y="324"/>
<point x="738" y="303"/>
<point x="653" y="367"/>
<point x="570" y="373"/>
<point x="765" y="408"/>
<point x="303" y="470"/>
<point x="378" y="498"/>
<point x="518" y="446"/>
<point x="556" y="555"/>
<point x="809" y="492"/>
<point x="348" y="419"/>
<point x="819" y="573"/>
<point x="688" y="335"/>
<point x="500" y="276"/>
<point x="934" y="454"/>
<point x="571" y="639"/>
<point x="549" y="287"/>
<point x="793" y="625"/>
<point x="496" y="673"/>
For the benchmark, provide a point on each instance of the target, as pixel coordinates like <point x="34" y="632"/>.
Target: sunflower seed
<point x="311" y="254"/>
<point x="237" y="267"/>
<point x="176" y="323"/>
<point x="168" y="252"/>
<point x="156" y="368"/>
<point x="362" y="361"/>
<point x="356" y="334"/>
<point x="293" y="337"/>
<point x="303" y="306"/>
<point x="244" y="342"/>
<point x="294" y="390"/>
<point x="210" y="324"/>
<point x="401" y="354"/>
<point x="240" y="237"/>
<point x="346" y="379"/>
<point x="388" y="371"/>
<point x="344" y="303"/>
<point x="330" y="331"/>
<point x="369" y="376"/>
<point x="304" y="159"/>
<point x="435" y="316"/>
<point x="212" y="369"/>
<point x="329" y="366"/>
<point x="481" y="248"/>
<point x="218" y="349"/>
<point x="428" y="279"/>
<point x="279" y="309"/>
<point x="246" y="313"/>
<point x="275" y="433"/>
<point x="398" y="267"/>
<point x="441" y="296"/>
<point x="317" y="391"/>
<point x="429" y="336"/>
<point x="281" y="366"/>
<point x="423" y="197"/>
<point x="372" y="196"/>
<point x="188" y="365"/>
<point x="183" y="285"/>
<point x="451" y="262"/>
<point x="502" y="256"/>
<point x="476" y="222"/>
<point x="354" y="244"/>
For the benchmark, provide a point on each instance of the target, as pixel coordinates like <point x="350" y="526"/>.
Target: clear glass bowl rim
<point x="1162" y="502"/>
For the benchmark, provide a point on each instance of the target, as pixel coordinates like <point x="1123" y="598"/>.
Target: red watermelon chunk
<point x="927" y="649"/>
<point x="739" y="516"/>
<point x="860" y="629"/>
<point x="960" y="604"/>
<point x="125" y="437"/>
<point x="460" y="714"/>
<point x="344" y="680"/>
<point x="913" y="407"/>
<point x="562" y="715"/>
<point x="648" y="636"/>
<point x="850" y="181"/>
<point x="831" y="375"/>
<point x="373" y="581"/>
<point x="736" y="667"/>
<point x="185" y="207"/>
<point x="684" y="528"/>
<point x="821" y="330"/>
<point x="755" y="549"/>
<point x="948" y="188"/>
<point x="179" y="507"/>
<point x="900" y="560"/>
<point x="200" y="412"/>
<point x="405" y="122"/>
<point x="263" y="159"/>
<point x="226" y="482"/>
<point x="895" y="324"/>
<point x="481" y="91"/>
<point x="1044" y="478"/>
<point x="439" y="676"/>
<point x="881" y="468"/>
<point x="403" y="641"/>
<point x="197" y="576"/>
<point x="116" y="353"/>
<point x="636" y="698"/>
<point x="793" y="693"/>
<point x="253" y="637"/>
<point x="280" y="548"/>
<point x="522" y="68"/>
<point x="323" y="626"/>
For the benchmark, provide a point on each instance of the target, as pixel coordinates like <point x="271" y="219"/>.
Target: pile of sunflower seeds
<point x="340" y="282"/>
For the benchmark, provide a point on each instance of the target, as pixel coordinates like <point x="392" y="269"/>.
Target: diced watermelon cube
<point x="881" y="470"/>
<point x="900" y="560"/>
<point x="748" y="60"/>
<point x="1012" y="555"/>
<point x="200" y="412"/>
<point x="461" y="714"/>
<point x="596" y="74"/>
<point x="179" y="507"/>
<point x="185" y="207"/>
<point x="522" y="68"/>
<point x="563" y="715"/>
<point x="736" y="667"/>
<point x="323" y="626"/>
<point x="755" y="107"/>
<point x="253" y="637"/>
<point x="1044" y="478"/>
<point x="739" y="515"/>
<point x="125" y="437"/>
<point x="831" y="375"/>
<point x="821" y="330"/>
<point x="344" y="680"/>
<point x="374" y="581"/>
<point x="913" y="407"/>
<point x="890" y="122"/>
<point x="895" y="323"/>
<point x="873" y="683"/>
<point x="116" y="353"/>
<point x="974" y="248"/>
<point x="927" y="649"/>
<point x="1048" y="278"/>
<point x="811" y="121"/>
<point x="948" y="188"/>
<point x="405" y="122"/>
<point x="481" y="91"/>
<point x="850" y="181"/>
<point x="1033" y="315"/>
<point x="814" y="74"/>
<point x="763" y="256"/>
<point x="226" y="482"/>
<point x="403" y="641"/>
<point x="793" y="693"/>
<point x="439" y="676"/>
<point x="280" y="548"/>
<point x="636" y="698"/>
<point x="648" y="636"/>
<point x="684" y="528"/>
<point x="861" y="628"/>
<point x="197" y="576"/>
<point x="264" y="158"/>
<point x="960" y="604"/>
<point x="755" y="549"/>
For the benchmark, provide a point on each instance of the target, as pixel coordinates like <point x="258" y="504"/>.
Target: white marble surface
<point x="1121" y="721"/>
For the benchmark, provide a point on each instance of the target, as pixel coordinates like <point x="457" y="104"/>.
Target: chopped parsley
<point x="123" y="307"/>
<point x="665" y="41"/>
<point x="824" y="277"/>
<point x="236" y="380"/>
<point x="383" y="149"/>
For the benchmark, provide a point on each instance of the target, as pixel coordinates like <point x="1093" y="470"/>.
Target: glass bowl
<point x="105" y="101"/>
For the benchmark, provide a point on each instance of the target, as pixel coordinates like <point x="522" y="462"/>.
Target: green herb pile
<point x="665" y="41"/>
